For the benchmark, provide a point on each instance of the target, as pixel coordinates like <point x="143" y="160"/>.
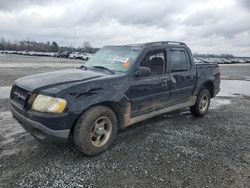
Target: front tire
<point x="202" y="103"/>
<point x="95" y="131"/>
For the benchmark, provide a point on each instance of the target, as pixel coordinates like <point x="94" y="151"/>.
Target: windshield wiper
<point x="104" y="68"/>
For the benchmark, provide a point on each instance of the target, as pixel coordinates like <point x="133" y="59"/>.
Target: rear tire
<point x="95" y="131"/>
<point x="202" y="103"/>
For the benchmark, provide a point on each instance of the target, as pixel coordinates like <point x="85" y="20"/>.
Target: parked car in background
<point x="25" y="52"/>
<point x="221" y="60"/>
<point x="9" y="52"/>
<point x="84" y="56"/>
<point x="198" y="60"/>
<point x="52" y="54"/>
<point x="55" y="54"/>
<point x="75" y="55"/>
<point x="247" y="60"/>
<point x="64" y="54"/>
<point x="40" y="54"/>
<point x="241" y="61"/>
<point x="32" y="53"/>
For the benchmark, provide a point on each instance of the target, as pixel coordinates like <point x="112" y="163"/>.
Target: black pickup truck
<point x="119" y="86"/>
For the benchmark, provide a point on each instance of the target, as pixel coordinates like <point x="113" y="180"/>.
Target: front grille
<point x="19" y="96"/>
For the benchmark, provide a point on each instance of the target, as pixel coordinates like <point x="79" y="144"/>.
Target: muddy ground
<point x="172" y="150"/>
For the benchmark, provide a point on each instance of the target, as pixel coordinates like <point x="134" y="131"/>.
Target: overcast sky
<point x="207" y="26"/>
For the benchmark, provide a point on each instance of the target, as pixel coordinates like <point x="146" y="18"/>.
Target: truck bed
<point x="207" y="72"/>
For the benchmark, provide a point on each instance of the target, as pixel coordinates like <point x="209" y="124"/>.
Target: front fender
<point x="94" y="94"/>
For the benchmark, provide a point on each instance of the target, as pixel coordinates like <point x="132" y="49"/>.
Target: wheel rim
<point x="204" y="103"/>
<point x="101" y="131"/>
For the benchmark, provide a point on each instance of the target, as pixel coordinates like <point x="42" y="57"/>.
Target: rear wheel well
<point x="115" y="107"/>
<point x="210" y="86"/>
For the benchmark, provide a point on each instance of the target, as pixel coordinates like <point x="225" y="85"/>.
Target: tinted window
<point x="178" y="61"/>
<point x="155" y="60"/>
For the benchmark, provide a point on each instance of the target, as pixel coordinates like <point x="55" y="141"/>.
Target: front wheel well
<point x="115" y="107"/>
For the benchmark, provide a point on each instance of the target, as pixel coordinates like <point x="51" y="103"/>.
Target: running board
<point x="191" y="101"/>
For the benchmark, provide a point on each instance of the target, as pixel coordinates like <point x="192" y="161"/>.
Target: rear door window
<point x="179" y="61"/>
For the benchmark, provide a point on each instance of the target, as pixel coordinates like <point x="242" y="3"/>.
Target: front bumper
<point x="38" y="130"/>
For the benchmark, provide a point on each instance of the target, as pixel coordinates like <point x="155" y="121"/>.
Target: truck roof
<point x="150" y="44"/>
<point x="159" y="43"/>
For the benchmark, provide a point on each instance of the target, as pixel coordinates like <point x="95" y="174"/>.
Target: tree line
<point x="31" y="45"/>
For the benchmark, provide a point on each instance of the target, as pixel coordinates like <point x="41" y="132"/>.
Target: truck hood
<point x="52" y="79"/>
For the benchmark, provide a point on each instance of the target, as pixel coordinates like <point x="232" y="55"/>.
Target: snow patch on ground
<point x="5" y="92"/>
<point x="218" y="102"/>
<point x="232" y="88"/>
<point x="9" y="132"/>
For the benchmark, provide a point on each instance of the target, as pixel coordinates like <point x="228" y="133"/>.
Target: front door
<point x="151" y="92"/>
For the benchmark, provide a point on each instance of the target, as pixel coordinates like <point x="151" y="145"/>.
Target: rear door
<point x="182" y="76"/>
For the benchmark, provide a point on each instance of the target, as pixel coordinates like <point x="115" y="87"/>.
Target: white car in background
<point x="247" y="60"/>
<point x="25" y="52"/>
<point x="32" y="53"/>
<point x="75" y="55"/>
<point x="86" y="56"/>
<point x="241" y="60"/>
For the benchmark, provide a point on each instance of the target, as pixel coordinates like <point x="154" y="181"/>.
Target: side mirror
<point x="143" y="71"/>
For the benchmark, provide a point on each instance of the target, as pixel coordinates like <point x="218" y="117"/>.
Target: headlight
<point x="44" y="103"/>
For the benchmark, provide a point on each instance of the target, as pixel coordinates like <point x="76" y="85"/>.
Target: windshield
<point x="117" y="59"/>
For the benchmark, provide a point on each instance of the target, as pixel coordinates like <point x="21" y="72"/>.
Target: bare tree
<point x="86" y="47"/>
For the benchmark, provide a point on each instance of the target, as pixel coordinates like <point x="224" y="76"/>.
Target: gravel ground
<point x="172" y="150"/>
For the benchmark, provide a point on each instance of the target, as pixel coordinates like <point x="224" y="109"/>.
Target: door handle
<point x="164" y="82"/>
